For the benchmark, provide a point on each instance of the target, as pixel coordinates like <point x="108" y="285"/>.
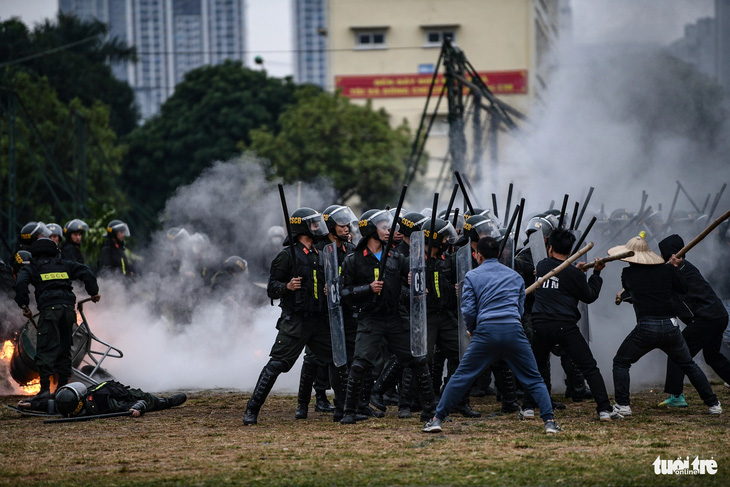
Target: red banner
<point x="406" y="85"/>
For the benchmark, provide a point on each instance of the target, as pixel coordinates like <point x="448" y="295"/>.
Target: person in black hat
<point x="52" y="277"/>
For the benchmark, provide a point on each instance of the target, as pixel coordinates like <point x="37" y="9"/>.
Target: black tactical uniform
<point x="52" y="277"/>
<point x="112" y="254"/>
<point x="303" y="321"/>
<point x="381" y="316"/>
<point x="72" y="251"/>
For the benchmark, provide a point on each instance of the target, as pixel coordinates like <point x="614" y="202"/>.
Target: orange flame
<point x="32" y="387"/>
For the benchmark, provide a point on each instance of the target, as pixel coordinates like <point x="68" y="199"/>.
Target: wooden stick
<point x="702" y="235"/>
<point x="610" y="258"/>
<point x="559" y="268"/>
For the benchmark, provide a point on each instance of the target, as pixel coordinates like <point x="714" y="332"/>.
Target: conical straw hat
<point x="642" y="253"/>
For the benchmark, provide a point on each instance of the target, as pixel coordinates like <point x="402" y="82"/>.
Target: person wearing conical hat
<point x="651" y="286"/>
<point x="705" y="326"/>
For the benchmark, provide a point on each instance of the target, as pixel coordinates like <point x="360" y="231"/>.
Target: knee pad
<point x="418" y="362"/>
<point x="358" y="370"/>
<point x="278" y="367"/>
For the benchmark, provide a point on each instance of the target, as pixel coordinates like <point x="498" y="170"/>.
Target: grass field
<point x="204" y="442"/>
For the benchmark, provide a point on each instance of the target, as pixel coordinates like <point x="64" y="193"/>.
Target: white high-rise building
<point x="310" y="42"/>
<point x="171" y="36"/>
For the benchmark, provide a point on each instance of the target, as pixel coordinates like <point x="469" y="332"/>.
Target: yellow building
<point x="386" y="51"/>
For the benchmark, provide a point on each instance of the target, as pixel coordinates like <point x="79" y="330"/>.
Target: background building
<point x="386" y="51"/>
<point x="171" y="36"/>
<point x="310" y="42"/>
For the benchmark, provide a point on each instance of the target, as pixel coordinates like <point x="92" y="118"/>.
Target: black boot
<point x="338" y="380"/>
<point x="437" y="371"/>
<point x="464" y="408"/>
<point x="306" y="381"/>
<point x="45" y="392"/>
<point x="321" y="403"/>
<point x="508" y="389"/>
<point x="404" y="398"/>
<point x="172" y="401"/>
<point x="363" y="407"/>
<point x="263" y="386"/>
<point x="387" y="380"/>
<point x="422" y="379"/>
<point x="354" y="390"/>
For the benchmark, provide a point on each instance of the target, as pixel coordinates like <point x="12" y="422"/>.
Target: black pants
<point x="53" y="347"/>
<point x="705" y="335"/>
<point x="297" y="332"/>
<point x="566" y="333"/>
<point x="647" y="336"/>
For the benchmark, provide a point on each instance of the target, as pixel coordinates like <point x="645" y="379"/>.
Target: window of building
<point x="435" y="37"/>
<point x="370" y="39"/>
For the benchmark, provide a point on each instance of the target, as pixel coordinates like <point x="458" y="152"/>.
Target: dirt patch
<point x="204" y="442"/>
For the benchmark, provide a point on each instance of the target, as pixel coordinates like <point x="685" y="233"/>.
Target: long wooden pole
<point x="702" y="235"/>
<point x="559" y="268"/>
<point x="610" y="258"/>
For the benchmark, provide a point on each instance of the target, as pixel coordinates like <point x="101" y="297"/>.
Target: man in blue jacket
<point x="492" y="305"/>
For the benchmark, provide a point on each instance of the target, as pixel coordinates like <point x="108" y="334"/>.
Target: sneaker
<point x="716" y="409"/>
<point x="622" y="410"/>
<point x="527" y="414"/>
<point x="433" y="426"/>
<point x="551" y="426"/>
<point x="609" y="415"/>
<point x="674" y="402"/>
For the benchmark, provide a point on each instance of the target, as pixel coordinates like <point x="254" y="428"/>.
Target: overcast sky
<point x="594" y="21"/>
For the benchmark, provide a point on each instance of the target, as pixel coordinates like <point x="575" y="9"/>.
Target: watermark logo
<point x="685" y="467"/>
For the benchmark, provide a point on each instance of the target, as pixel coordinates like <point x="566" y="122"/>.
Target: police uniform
<point x="112" y="257"/>
<point x="52" y="277"/>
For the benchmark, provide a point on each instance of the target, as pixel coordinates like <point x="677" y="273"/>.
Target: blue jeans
<point x="647" y="336"/>
<point x="492" y="342"/>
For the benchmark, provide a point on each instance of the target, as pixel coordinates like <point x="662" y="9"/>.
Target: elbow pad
<point x="356" y="291"/>
<point x="276" y="289"/>
<point x="140" y="406"/>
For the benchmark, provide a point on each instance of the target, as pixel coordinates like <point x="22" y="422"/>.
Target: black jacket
<point x="310" y="299"/>
<point x="71" y="251"/>
<point x="52" y="279"/>
<point x="112" y="257"/>
<point x="557" y="298"/>
<point x="526" y="269"/>
<point x="700" y="297"/>
<point x="652" y="289"/>
<point x="360" y="269"/>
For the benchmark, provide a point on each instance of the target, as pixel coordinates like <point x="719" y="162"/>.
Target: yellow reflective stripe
<point x="314" y="275"/>
<point x="124" y="267"/>
<point x="436" y="284"/>
<point x="376" y="272"/>
<point x="339" y="270"/>
<point x="52" y="276"/>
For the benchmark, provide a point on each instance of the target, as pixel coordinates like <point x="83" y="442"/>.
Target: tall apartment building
<point x="310" y="42"/>
<point x="386" y="51"/>
<point x="171" y="36"/>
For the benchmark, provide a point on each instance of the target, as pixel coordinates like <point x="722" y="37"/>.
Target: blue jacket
<point x="493" y="293"/>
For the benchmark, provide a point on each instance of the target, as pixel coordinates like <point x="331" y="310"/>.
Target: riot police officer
<point x="300" y="287"/>
<point x="31" y="232"/>
<point x="112" y="254"/>
<point x="74" y="231"/>
<point x="52" y="277"/>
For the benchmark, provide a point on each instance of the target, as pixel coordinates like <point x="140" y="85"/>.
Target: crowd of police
<point x="381" y="369"/>
<point x="374" y="288"/>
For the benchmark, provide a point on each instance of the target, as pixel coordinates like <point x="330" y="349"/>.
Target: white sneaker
<point x="716" y="409"/>
<point x="622" y="410"/>
<point x="609" y="415"/>
<point x="527" y="414"/>
<point x="551" y="426"/>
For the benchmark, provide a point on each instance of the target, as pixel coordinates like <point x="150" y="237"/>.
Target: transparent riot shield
<point x="337" y="324"/>
<point x="584" y="324"/>
<point x="463" y="265"/>
<point x="537" y="247"/>
<point x="419" y="347"/>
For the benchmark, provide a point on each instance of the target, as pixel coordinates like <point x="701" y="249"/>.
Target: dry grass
<point x="205" y="443"/>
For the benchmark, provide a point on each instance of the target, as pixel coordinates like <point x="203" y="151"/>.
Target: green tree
<point x="325" y="135"/>
<point x="211" y="112"/>
<point x="81" y="71"/>
<point x="47" y="138"/>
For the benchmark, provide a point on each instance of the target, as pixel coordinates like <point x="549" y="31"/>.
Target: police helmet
<point x="276" y="235"/>
<point x="540" y="222"/>
<point x="343" y="216"/>
<point x="450" y="218"/>
<point x="56" y="229"/>
<point x="411" y="222"/>
<point x="20" y="258"/>
<point x="371" y="220"/>
<point x="481" y="212"/>
<point x="478" y="226"/>
<point x="44" y="246"/>
<point x="620" y="214"/>
<point x="444" y="233"/>
<point x="177" y="234"/>
<point x="32" y="231"/>
<point x="75" y="225"/>
<point x="117" y="226"/>
<point x="69" y="400"/>
<point x="309" y="222"/>
<point x="236" y="264"/>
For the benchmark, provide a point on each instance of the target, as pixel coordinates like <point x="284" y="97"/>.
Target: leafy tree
<point x="81" y="71"/>
<point x="211" y="112"/>
<point x="46" y="137"/>
<point x="326" y="135"/>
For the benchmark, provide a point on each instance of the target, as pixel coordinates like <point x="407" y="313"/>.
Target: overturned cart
<point x="88" y="352"/>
